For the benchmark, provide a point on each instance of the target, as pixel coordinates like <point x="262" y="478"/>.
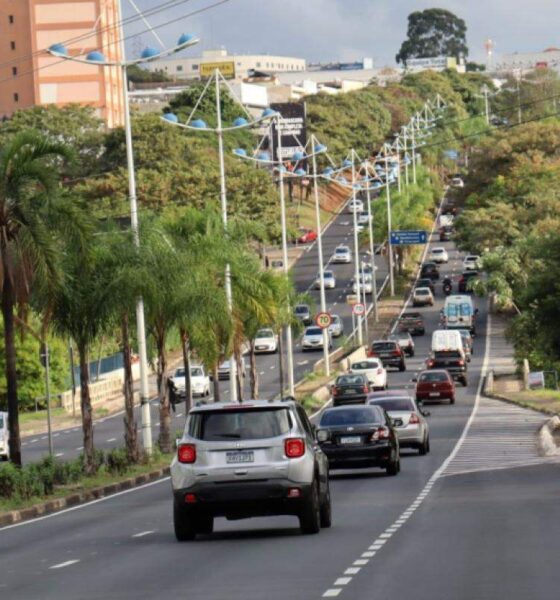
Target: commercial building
<point x="520" y="62"/>
<point x="29" y="76"/>
<point x="235" y="66"/>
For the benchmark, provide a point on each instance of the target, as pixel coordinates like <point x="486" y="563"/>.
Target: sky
<point x="345" y="30"/>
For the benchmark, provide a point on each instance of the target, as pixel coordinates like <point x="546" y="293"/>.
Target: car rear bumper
<point x="391" y="362"/>
<point x="441" y="395"/>
<point x="239" y="500"/>
<point x="350" y="457"/>
<point x="352" y="399"/>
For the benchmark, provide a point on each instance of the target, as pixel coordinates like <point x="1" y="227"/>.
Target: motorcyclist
<point x="447" y="285"/>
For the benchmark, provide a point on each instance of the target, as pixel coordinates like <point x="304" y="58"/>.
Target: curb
<point x="52" y="506"/>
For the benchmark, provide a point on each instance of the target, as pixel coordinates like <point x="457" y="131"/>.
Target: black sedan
<point x="350" y="389"/>
<point x="354" y="437"/>
<point x="429" y="271"/>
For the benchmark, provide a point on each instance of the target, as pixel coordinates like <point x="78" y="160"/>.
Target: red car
<point x="433" y="385"/>
<point x="307" y="236"/>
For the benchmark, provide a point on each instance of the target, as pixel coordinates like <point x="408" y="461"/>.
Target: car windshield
<point x="433" y="377"/>
<point x="438" y="251"/>
<point x="196" y="372"/>
<point x="350" y="380"/>
<point x="394" y="404"/>
<point x="382" y="346"/>
<point x="314" y="331"/>
<point x="352" y="416"/>
<point x="243" y="424"/>
<point x="366" y="364"/>
<point x="335" y="320"/>
<point x="264" y="333"/>
<point x="341" y="251"/>
<point x="422" y="292"/>
<point x="302" y="309"/>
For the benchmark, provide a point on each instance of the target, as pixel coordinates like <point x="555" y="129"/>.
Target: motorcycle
<point x="447" y="287"/>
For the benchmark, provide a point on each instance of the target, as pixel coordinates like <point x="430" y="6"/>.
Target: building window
<point x="13" y="45"/>
<point x="14" y="71"/>
<point x="179" y="68"/>
<point x="258" y="65"/>
<point x="11" y="19"/>
<point x="195" y="67"/>
<point x="16" y="97"/>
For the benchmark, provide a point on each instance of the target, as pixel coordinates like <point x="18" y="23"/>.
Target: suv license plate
<point x="351" y="439"/>
<point x="240" y="457"/>
<point x="434" y="394"/>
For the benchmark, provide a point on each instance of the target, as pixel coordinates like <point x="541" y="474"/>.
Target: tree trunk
<point x="163" y="393"/>
<point x="238" y="357"/>
<point x="187" y="366"/>
<point x="130" y="427"/>
<point x="85" y="403"/>
<point x="8" y="302"/>
<point x="216" y="383"/>
<point x="254" y="373"/>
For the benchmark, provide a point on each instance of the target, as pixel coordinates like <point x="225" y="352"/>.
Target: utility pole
<point x="486" y="107"/>
<point x="389" y="227"/>
<point x="356" y="246"/>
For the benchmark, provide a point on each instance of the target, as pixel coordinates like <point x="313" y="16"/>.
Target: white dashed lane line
<point x="64" y="564"/>
<point x="111" y="440"/>
<point x="142" y="534"/>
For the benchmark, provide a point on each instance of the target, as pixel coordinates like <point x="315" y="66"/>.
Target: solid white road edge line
<point x="388" y="533"/>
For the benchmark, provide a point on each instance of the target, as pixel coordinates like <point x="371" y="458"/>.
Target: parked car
<point x="405" y="341"/>
<point x="422" y="296"/>
<point x="336" y="328"/>
<point x="306" y="236"/>
<point x="390" y="354"/>
<point x="224" y="369"/>
<point x="355" y="206"/>
<point x="266" y="341"/>
<point x="359" y="437"/>
<point x="452" y="361"/>
<point x="438" y="255"/>
<point x="411" y="322"/>
<point x="426" y="282"/>
<point x="274" y="442"/>
<point x="328" y="278"/>
<point x="429" y="270"/>
<point x="303" y="313"/>
<point x="471" y="262"/>
<point x="435" y="384"/>
<point x="350" y="388"/>
<point x="374" y="370"/>
<point x="4" y="437"/>
<point x="409" y="421"/>
<point x="200" y="382"/>
<point x="466" y="281"/>
<point x="313" y="339"/>
<point x="342" y="254"/>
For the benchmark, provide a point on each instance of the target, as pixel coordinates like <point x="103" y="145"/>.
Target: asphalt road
<point x="466" y="521"/>
<point x="109" y="431"/>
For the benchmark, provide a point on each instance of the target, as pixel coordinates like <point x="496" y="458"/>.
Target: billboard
<point x="293" y="129"/>
<point x="227" y="69"/>
<point x="433" y="62"/>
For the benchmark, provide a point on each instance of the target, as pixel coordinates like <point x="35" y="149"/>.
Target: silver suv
<point x="248" y="460"/>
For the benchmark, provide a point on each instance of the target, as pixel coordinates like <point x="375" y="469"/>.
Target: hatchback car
<point x="350" y="388"/>
<point x="328" y="278"/>
<point x="429" y="270"/>
<point x="471" y="262"/>
<point x="457" y="182"/>
<point x="359" y="437"/>
<point x="342" y="254"/>
<point x="466" y="281"/>
<point x="405" y="341"/>
<point x="224" y="369"/>
<point x="313" y="339"/>
<point x="247" y="460"/>
<point x="306" y="236"/>
<point x="355" y="206"/>
<point x="374" y="370"/>
<point x="422" y="297"/>
<point x="438" y="255"/>
<point x="411" y="322"/>
<point x="336" y="328"/>
<point x="435" y="385"/>
<point x="366" y="285"/>
<point x="389" y="352"/>
<point x="425" y="282"/>
<point x="364" y="219"/>
<point x="265" y="341"/>
<point x="408" y="420"/>
<point x="303" y="313"/>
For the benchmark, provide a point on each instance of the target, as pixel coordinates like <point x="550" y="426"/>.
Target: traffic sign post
<point x="359" y="309"/>
<point x="408" y="238"/>
<point x="323" y="320"/>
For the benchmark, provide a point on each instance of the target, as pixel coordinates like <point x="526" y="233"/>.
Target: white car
<point x="355" y="205"/>
<point x="313" y="339"/>
<point x="200" y="381"/>
<point x="422" y="296"/>
<point x="438" y="255"/>
<point x="336" y="328"/>
<point x="342" y="254"/>
<point x="457" y="182"/>
<point x="329" y="279"/>
<point x="4" y="437"/>
<point x="224" y="369"/>
<point x="364" y="219"/>
<point x="471" y="262"/>
<point x="366" y="285"/>
<point x="373" y="369"/>
<point x="266" y="341"/>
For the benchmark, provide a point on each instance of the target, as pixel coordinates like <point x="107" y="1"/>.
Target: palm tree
<point x="29" y="194"/>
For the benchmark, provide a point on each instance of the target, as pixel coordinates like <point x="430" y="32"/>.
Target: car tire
<point x="411" y="353"/>
<point x="402" y="366"/>
<point x="452" y="400"/>
<point x="310" y="515"/>
<point x="424" y="447"/>
<point x="183" y="524"/>
<point x="326" y="509"/>
<point x="393" y="468"/>
<point x="464" y="382"/>
<point x="423" y="332"/>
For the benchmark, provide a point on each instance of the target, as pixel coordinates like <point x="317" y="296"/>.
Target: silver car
<point x="313" y="339"/>
<point x="408" y="419"/>
<point x="328" y="278"/>
<point x="248" y="460"/>
<point x="342" y="254"/>
<point x="336" y="328"/>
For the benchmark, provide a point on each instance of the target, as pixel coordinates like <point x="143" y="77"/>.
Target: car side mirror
<point x="415" y="380"/>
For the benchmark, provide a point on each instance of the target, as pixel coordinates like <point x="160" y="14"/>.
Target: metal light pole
<point x="389" y="227"/>
<point x="356" y="246"/>
<point x="486" y="106"/>
<point x="413" y="141"/>
<point x="405" y="148"/>
<point x="371" y="246"/>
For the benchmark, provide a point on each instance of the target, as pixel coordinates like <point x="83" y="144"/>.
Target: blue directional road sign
<point x="408" y="238"/>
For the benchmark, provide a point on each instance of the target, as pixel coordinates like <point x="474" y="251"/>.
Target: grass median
<point x="545" y="401"/>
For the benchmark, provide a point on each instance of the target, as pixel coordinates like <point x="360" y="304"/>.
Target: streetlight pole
<point x="413" y="141"/>
<point x="389" y="227"/>
<point x="405" y="148"/>
<point x="356" y="246"/>
<point x="371" y="245"/>
<point x="486" y="106"/>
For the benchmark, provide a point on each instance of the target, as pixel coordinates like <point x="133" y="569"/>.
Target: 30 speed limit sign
<point x="323" y="320"/>
<point x="359" y="310"/>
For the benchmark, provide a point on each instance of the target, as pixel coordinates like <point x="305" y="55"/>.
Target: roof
<point x="214" y="406"/>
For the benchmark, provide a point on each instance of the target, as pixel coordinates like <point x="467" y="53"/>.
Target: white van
<point x="446" y="340"/>
<point x="4" y="437"/>
<point x="459" y="313"/>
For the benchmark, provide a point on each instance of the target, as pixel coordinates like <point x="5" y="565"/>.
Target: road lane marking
<point x="179" y="415"/>
<point x="33" y="441"/>
<point x="65" y="564"/>
<point x="142" y="534"/>
<point x="352" y="570"/>
<point x="59" y="454"/>
<point x="79" y="448"/>
<point x="343" y="581"/>
<point x="111" y="440"/>
<point x="332" y="593"/>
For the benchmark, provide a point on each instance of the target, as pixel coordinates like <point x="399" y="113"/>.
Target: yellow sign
<point x="227" y="69"/>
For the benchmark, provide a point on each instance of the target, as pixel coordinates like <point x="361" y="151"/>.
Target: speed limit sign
<point x="359" y="309"/>
<point x="323" y="320"/>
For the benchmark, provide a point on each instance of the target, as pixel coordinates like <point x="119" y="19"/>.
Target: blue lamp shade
<point x="301" y="172"/>
<point x="298" y="155"/>
<point x="185" y="39"/>
<point x="95" y="56"/>
<point x="149" y="52"/>
<point x="199" y="124"/>
<point x="320" y="148"/>
<point x="328" y="171"/>
<point x="240" y="122"/>
<point x="59" y="49"/>
<point x="240" y="152"/>
<point x="268" y="112"/>
<point x="171" y="117"/>
<point x="281" y="169"/>
<point x="347" y="163"/>
<point x="263" y="156"/>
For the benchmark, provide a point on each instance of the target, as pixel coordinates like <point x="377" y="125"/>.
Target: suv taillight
<point x="414" y="419"/>
<point x="186" y="454"/>
<point x="294" y="447"/>
<point x="382" y="433"/>
<point x="430" y="363"/>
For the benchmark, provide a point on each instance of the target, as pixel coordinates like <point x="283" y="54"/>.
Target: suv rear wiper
<point x="236" y="436"/>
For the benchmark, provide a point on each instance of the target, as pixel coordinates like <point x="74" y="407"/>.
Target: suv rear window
<point x="394" y="404"/>
<point x="448" y="354"/>
<point x="366" y="364"/>
<point x="352" y="416"/>
<point x="433" y="377"/>
<point x="350" y="380"/>
<point x="244" y="424"/>
<point x="383" y="346"/>
<point x="302" y="309"/>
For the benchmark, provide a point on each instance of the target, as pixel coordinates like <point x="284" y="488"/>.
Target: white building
<point x="232" y="66"/>
<point x="527" y="61"/>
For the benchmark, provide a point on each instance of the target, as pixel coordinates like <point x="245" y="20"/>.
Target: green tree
<point x="137" y="74"/>
<point x="434" y="32"/>
<point x="29" y="196"/>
